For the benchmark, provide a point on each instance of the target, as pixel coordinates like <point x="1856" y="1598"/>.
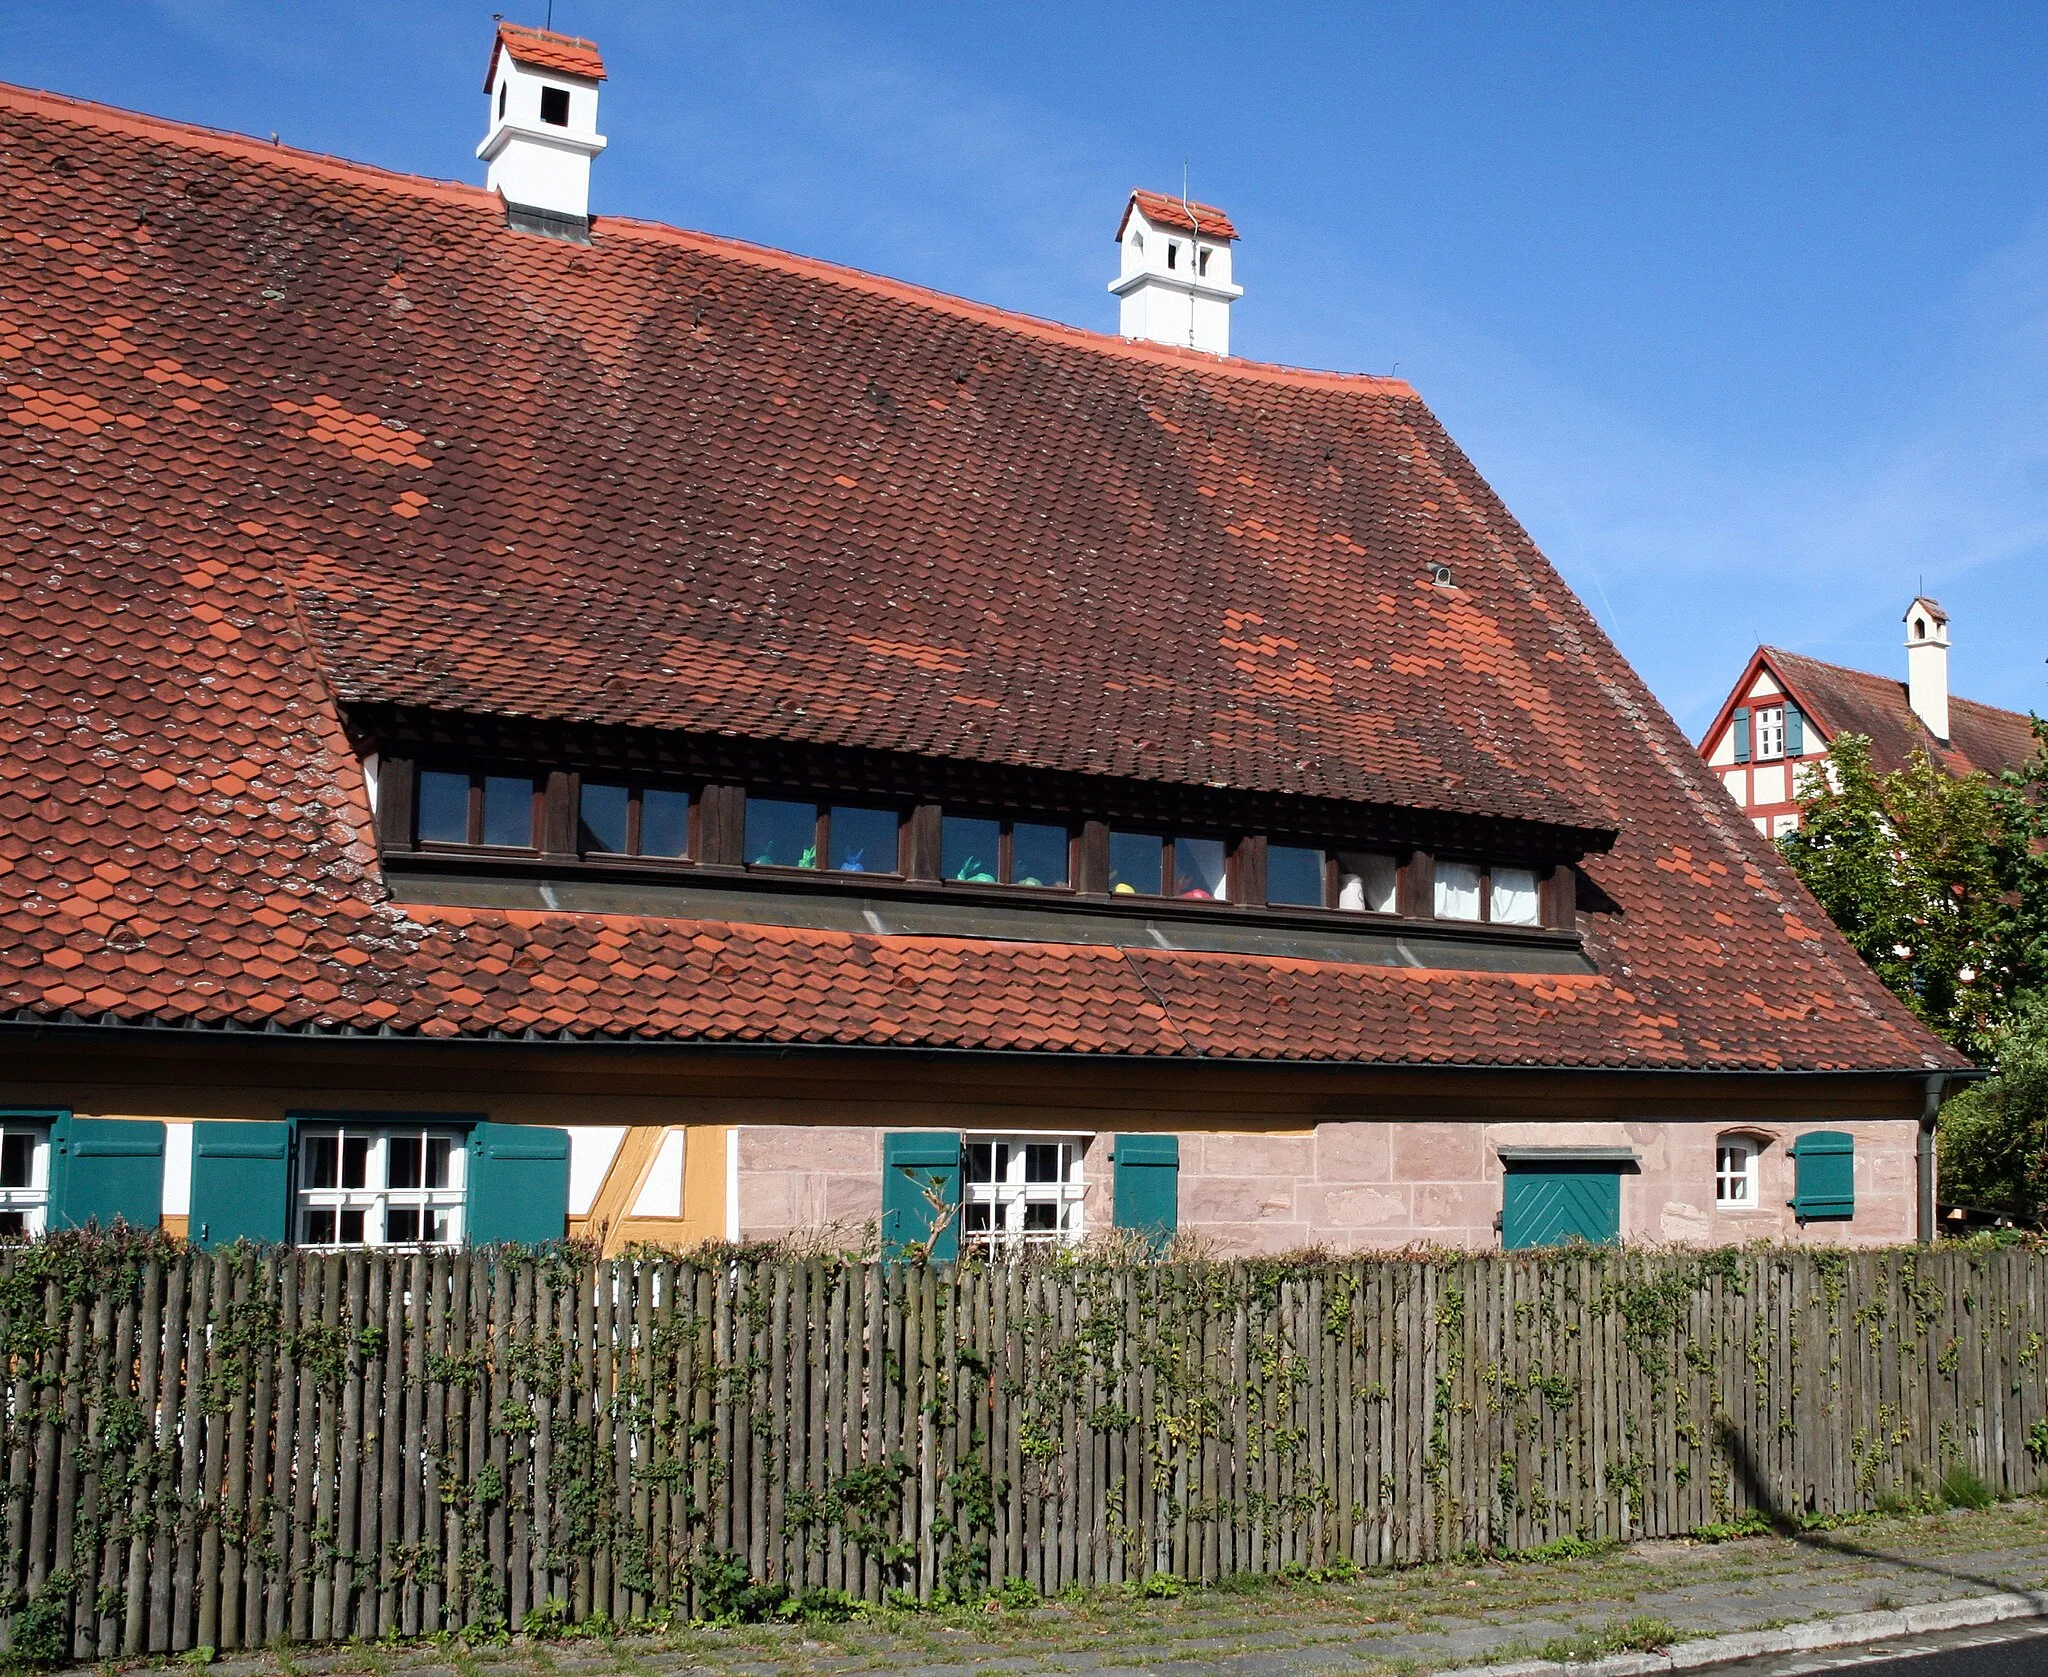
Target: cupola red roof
<point x="568" y="55"/>
<point x="1165" y="211"/>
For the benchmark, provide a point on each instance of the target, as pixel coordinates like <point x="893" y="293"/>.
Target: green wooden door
<point x="1560" y="1200"/>
<point x="518" y="1192"/>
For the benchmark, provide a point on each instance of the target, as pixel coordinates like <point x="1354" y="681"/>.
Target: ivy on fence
<point x="232" y="1448"/>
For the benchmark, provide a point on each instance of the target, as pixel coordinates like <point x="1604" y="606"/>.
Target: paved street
<point x="1427" y="1619"/>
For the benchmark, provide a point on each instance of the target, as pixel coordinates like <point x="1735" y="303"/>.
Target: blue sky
<point x="1744" y="310"/>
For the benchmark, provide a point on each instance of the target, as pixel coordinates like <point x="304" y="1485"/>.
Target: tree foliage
<point x="1907" y="865"/>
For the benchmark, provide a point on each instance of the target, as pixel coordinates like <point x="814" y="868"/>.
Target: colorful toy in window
<point x="977" y="872"/>
<point x="851" y="862"/>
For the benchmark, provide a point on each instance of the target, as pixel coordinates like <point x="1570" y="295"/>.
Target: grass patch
<point x="1960" y="1488"/>
<point x="1726" y="1531"/>
<point x="1568" y="1549"/>
<point x="1640" y="1635"/>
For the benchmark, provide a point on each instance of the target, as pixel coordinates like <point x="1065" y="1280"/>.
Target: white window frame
<point x="1736" y="1173"/>
<point x="376" y="1198"/>
<point x="1770" y="733"/>
<point x="1004" y="1201"/>
<point x="30" y="1202"/>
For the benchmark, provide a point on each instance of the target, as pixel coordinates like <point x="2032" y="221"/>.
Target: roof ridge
<point x="862" y="279"/>
<point x="228" y="140"/>
<point x="1889" y="681"/>
<point x="122" y="120"/>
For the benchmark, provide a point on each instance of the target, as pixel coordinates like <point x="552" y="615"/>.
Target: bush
<point x="1994" y="1135"/>
<point x="1018" y="1593"/>
<point x="727" y="1595"/>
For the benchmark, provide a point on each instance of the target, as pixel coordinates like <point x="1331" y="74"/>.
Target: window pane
<point x="402" y="1161"/>
<point x="440" y="1227"/>
<point x="1367" y="884"/>
<point x="351" y="1228"/>
<point x="355" y="1161"/>
<point x="1294" y="875"/>
<point x="1135" y="863"/>
<point x="863" y="840"/>
<point x="508" y="810"/>
<point x="1198" y="866"/>
<point x="437" y="1161"/>
<point x="603" y="825"/>
<point x="320" y="1226"/>
<point x="318" y="1159"/>
<point x="13" y="1222"/>
<point x="1038" y="854"/>
<point x="975" y="1218"/>
<point x="402" y="1225"/>
<point x="1042" y="1161"/>
<point x="1457" y="891"/>
<point x="18" y="1160"/>
<point x="664" y="823"/>
<point x="1514" y="896"/>
<point x="980" y="1161"/>
<point x="781" y="834"/>
<point x="1042" y="1214"/>
<point x="444" y="807"/>
<point x="967" y="849"/>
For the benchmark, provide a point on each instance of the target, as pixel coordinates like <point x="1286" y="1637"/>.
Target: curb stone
<point x="1844" y="1632"/>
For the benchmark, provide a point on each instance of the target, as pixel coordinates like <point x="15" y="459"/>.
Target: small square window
<point x="444" y="807"/>
<point x="508" y="811"/>
<point x="554" y="106"/>
<point x="1137" y="864"/>
<point x="1201" y="870"/>
<point x="379" y="1186"/>
<point x="970" y="849"/>
<point x="781" y="834"/>
<point x="603" y="818"/>
<point x="1294" y="876"/>
<point x="863" y="840"/>
<point x="1038" y="854"/>
<point x="664" y="822"/>
<point x="1021" y="1191"/>
<point x="1457" y="891"/>
<point x="1367" y="884"/>
<point x="1770" y="732"/>
<point x="1515" y="900"/>
<point x="1735" y="1186"/>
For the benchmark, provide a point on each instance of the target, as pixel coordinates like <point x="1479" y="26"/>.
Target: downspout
<point x="1930" y="1110"/>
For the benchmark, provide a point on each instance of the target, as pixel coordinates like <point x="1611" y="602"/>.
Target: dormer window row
<point x="494" y="813"/>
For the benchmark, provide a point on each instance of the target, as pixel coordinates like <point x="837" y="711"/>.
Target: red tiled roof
<point x="1164" y="210"/>
<point x="279" y="432"/>
<point x="1981" y="737"/>
<point x="568" y="55"/>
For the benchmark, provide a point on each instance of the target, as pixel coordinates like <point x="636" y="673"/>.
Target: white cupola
<point x="1174" y="285"/>
<point x="543" y="128"/>
<point x="1927" y="664"/>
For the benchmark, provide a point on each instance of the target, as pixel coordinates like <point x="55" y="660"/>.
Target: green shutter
<point x="1824" y="1188"/>
<point x="918" y="1166"/>
<point x="241" y="1183"/>
<point x="105" y="1171"/>
<point x="1554" y="1202"/>
<point x="1795" y="730"/>
<point x="518" y="1191"/>
<point x="1742" y="734"/>
<point x="1147" y="1185"/>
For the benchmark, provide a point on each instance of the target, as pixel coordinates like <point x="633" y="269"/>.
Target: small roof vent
<point x="543" y="128"/>
<point x="1174" y="286"/>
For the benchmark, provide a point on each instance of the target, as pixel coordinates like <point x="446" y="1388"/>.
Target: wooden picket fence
<point x="247" y="1447"/>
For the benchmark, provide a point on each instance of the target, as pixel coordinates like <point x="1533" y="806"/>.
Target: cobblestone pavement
<point x="1424" y="1619"/>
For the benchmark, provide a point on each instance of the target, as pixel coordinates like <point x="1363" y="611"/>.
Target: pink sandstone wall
<point x="1370" y="1185"/>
